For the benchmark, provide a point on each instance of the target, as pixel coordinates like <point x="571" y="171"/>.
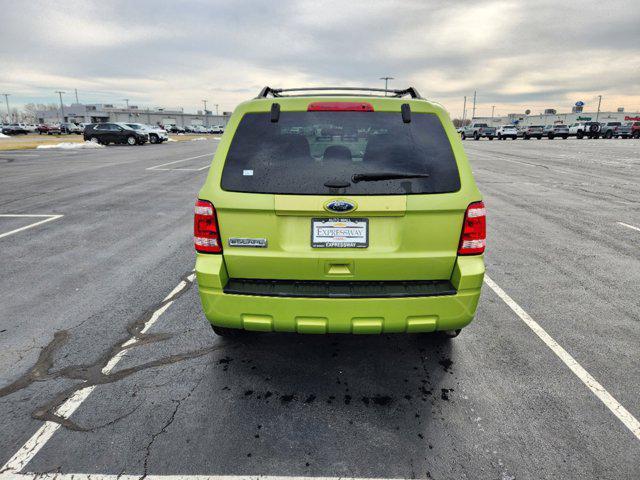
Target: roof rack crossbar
<point x="277" y="92"/>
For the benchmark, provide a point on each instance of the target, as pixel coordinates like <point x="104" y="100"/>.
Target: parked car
<point x="69" y="128"/>
<point x="332" y="250"/>
<point x="15" y="129"/>
<point x="53" y="129"/>
<point x="615" y="129"/>
<point x="507" y="131"/>
<point x="156" y="134"/>
<point x="585" y="129"/>
<point x="478" y="131"/>
<point x="217" y="129"/>
<point x="635" y="129"/>
<point x="557" y="130"/>
<point x="175" y="129"/>
<point x="531" y="131"/>
<point x="106" y="133"/>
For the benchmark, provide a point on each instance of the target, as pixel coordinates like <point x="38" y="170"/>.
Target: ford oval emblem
<point x="340" y="206"/>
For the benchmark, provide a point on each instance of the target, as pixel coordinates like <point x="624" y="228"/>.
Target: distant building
<point x="106" y="112"/>
<point x="549" y="118"/>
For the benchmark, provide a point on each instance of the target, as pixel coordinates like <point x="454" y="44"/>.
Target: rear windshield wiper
<point x="375" y="177"/>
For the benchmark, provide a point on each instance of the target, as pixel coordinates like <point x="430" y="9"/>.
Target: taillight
<point x="206" y="235"/>
<point x="474" y="230"/>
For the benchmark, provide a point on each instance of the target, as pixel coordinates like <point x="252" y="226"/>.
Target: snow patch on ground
<point x="72" y="146"/>
<point x="198" y="139"/>
<point x="171" y="140"/>
<point x="2" y="135"/>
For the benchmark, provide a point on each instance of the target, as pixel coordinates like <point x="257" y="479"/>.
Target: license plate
<point x="340" y="232"/>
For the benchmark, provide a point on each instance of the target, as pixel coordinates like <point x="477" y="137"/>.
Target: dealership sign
<point x="583" y="118"/>
<point x="633" y="119"/>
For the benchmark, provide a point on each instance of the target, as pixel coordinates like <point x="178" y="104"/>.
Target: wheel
<point x="490" y="138"/>
<point x="608" y="135"/>
<point x="227" y="332"/>
<point x="131" y="140"/>
<point x="447" y="334"/>
<point x="463" y="136"/>
<point x="476" y="136"/>
<point x="550" y="136"/>
<point x="525" y="137"/>
<point x="94" y="140"/>
<point x="539" y="137"/>
<point x="564" y="137"/>
<point x="499" y="136"/>
<point x="579" y="134"/>
<point x="153" y="139"/>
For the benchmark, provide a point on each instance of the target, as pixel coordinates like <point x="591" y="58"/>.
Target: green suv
<point x="342" y="210"/>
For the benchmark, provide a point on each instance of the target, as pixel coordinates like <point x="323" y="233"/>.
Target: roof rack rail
<point x="277" y="92"/>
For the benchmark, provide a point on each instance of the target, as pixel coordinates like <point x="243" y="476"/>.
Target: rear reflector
<point x="206" y="235"/>
<point x="474" y="230"/>
<point x="340" y="107"/>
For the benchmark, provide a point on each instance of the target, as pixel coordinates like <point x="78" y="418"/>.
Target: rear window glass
<point x="318" y="153"/>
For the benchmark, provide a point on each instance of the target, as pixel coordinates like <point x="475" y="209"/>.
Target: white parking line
<point x="629" y="226"/>
<point x="90" y="476"/>
<point x="157" y="167"/>
<point x="47" y="218"/>
<point x="28" y="451"/>
<point x="592" y="384"/>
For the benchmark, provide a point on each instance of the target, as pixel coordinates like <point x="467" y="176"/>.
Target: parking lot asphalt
<point x="114" y="259"/>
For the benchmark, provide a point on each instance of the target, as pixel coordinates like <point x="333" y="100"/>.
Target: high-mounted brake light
<point x="206" y="235"/>
<point x="340" y="107"/>
<point x="474" y="230"/>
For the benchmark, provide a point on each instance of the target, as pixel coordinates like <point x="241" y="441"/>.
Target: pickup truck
<point x="615" y="129"/>
<point x="585" y="129"/>
<point x="635" y="129"/>
<point x="477" y="131"/>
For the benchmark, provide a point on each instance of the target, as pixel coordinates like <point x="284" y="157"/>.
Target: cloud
<point x="515" y="54"/>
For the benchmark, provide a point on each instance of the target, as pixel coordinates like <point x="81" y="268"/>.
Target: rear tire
<point x="94" y="140"/>
<point x="226" y="332"/>
<point x="449" y="334"/>
<point x="463" y="136"/>
<point x="550" y="136"/>
<point x="476" y="136"/>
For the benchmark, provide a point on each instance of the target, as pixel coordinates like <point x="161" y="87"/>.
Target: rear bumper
<point x="339" y="315"/>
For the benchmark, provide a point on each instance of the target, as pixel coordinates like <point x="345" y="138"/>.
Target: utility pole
<point x="464" y="110"/>
<point x="386" y="83"/>
<point x="216" y="109"/>
<point x="6" y="99"/>
<point x="77" y="101"/>
<point x="599" y="102"/>
<point x="61" y="106"/>
<point x="473" y="115"/>
<point x="493" y="107"/>
<point x="205" y="113"/>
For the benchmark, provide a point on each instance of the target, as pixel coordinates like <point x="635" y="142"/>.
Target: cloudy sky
<point x="516" y="54"/>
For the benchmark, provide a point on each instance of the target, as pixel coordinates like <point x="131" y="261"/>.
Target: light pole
<point x="386" y="83"/>
<point x="128" y="111"/>
<point x="493" y="108"/>
<point x="464" y="110"/>
<point x="598" y="112"/>
<point x="473" y="115"/>
<point x="61" y="106"/>
<point x="6" y="99"/>
<point x="205" y="113"/>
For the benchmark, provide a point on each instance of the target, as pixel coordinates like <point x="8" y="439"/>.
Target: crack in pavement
<point x="94" y="374"/>
<point x="167" y="424"/>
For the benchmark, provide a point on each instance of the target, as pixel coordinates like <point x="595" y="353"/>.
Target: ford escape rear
<point x="339" y="214"/>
